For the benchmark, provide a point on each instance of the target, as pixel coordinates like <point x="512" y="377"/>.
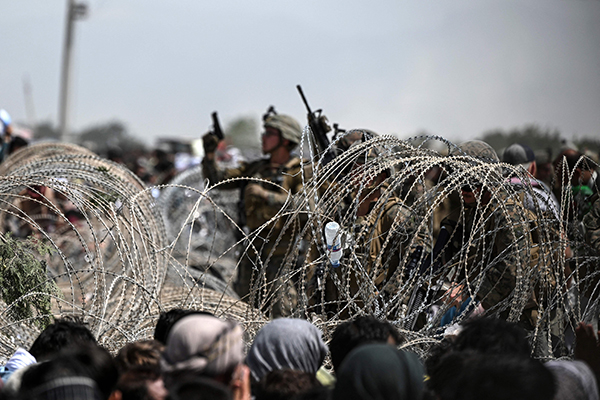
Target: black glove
<point x="210" y="143"/>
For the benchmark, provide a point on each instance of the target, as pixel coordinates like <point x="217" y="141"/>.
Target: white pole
<point x="64" y="78"/>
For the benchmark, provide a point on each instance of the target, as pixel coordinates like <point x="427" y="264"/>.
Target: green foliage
<point x="45" y="130"/>
<point x="21" y="272"/>
<point x="243" y="133"/>
<point x="588" y="144"/>
<point x="532" y="135"/>
<point x="112" y="135"/>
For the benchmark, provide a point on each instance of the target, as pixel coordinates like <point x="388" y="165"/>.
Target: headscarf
<point x="202" y="345"/>
<point x="379" y="372"/>
<point x="286" y="343"/>
<point x="574" y="380"/>
<point x="20" y="359"/>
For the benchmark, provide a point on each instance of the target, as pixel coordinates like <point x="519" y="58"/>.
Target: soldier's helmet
<point x="353" y="136"/>
<point x="367" y="152"/>
<point x="290" y="128"/>
<point x="477" y="149"/>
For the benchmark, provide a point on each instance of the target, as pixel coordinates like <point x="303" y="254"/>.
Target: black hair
<point x="361" y="330"/>
<point x="82" y="360"/>
<point x="318" y="392"/>
<point x="199" y="389"/>
<point x="16" y="143"/>
<point x="133" y="384"/>
<point x="63" y="332"/>
<point x="492" y="336"/>
<point x="166" y="320"/>
<point x="283" y="384"/>
<point x="469" y="375"/>
<point x="138" y="354"/>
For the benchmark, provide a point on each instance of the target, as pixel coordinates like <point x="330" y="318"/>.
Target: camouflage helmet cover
<point x="290" y="128"/>
<point x="367" y="152"/>
<point x="477" y="149"/>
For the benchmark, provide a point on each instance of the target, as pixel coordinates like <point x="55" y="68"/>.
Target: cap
<point x="518" y="153"/>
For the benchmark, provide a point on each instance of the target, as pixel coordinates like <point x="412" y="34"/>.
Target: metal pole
<point x="64" y="78"/>
<point x="29" y="106"/>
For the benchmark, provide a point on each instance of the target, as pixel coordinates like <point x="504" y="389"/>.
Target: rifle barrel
<point x="303" y="98"/>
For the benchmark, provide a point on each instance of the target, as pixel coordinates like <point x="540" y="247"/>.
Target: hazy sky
<point x="454" y="68"/>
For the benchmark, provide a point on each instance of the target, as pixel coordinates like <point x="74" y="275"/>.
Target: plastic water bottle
<point x="334" y="243"/>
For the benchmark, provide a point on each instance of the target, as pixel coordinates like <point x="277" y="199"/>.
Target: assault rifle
<point x="319" y="126"/>
<point x="216" y="128"/>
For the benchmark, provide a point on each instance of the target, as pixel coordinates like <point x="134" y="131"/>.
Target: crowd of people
<point x="489" y="255"/>
<point x="197" y="355"/>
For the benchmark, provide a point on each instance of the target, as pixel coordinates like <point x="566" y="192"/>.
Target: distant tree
<point x="109" y="136"/>
<point x="588" y="145"/>
<point x="243" y="134"/>
<point x="532" y="135"/>
<point x="45" y="130"/>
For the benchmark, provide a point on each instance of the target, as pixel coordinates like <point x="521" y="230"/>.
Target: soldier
<point x="386" y="234"/>
<point x="262" y="202"/>
<point x="488" y="238"/>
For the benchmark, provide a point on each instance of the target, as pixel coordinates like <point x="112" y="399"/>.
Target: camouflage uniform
<point x="489" y="243"/>
<point x="588" y="271"/>
<point x="384" y="239"/>
<point x="497" y="251"/>
<point x="390" y="234"/>
<point x="268" y="250"/>
<point x="591" y="221"/>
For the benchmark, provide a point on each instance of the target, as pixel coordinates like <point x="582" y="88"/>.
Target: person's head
<point x="286" y="343"/>
<point x="520" y="154"/>
<point x="202" y="345"/>
<point x="544" y="169"/>
<point x="469" y="375"/>
<point x="572" y="167"/>
<point x="318" y="392"/>
<point x="167" y="319"/>
<point x="378" y="372"/>
<point x="115" y="154"/>
<point x="84" y="371"/>
<point x="477" y="151"/>
<point x="17" y="143"/>
<point x="364" y="176"/>
<point x="200" y="389"/>
<point x="492" y="336"/>
<point x="574" y="380"/>
<point x="281" y="131"/>
<point x="584" y="170"/>
<point x="138" y="354"/>
<point x="369" y="170"/>
<point x="141" y="383"/>
<point x="361" y="330"/>
<point x="60" y="334"/>
<point x="283" y="384"/>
